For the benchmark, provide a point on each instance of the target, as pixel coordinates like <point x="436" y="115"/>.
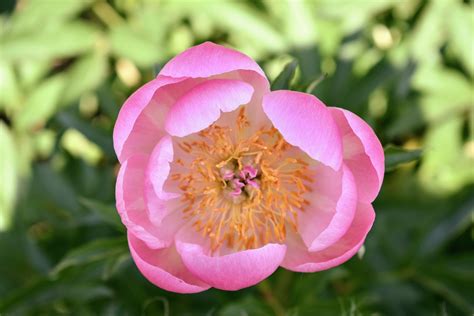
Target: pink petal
<point x="305" y="122"/>
<point x="363" y="153"/>
<point x="299" y="259"/>
<point x="208" y="59"/>
<point x="164" y="268"/>
<point x="232" y="271"/>
<point x="131" y="110"/>
<point x="157" y="172"/>
<point x="131" y="206"/>
<point x="202" y="105"/>
<point x="331" y="212"/>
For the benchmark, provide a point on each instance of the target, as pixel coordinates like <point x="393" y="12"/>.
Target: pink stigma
<point x="239" y="180"/>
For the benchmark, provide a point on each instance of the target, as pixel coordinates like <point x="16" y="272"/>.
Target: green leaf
<point x="8" y="176"/>
<point x="247" y="24"/>
<point x="44" y="13"/>
<point x="315" y="83"/>
<point x="249" y="305"/>
<point x="444" y="290"/>
<point x="395" y="156"/>
<point x="84" y="76"/>
<point x="93" y="133"/>
<point x="283" y="80"/>
<point x="41" y="104"/>
<point x="10" y="95"/>
<point x="448" y="228"/>
<point x="44" y="293"/>
<point x="97" y="250"/>
<point x="461" y="26"/>
<point x="106" y="212"/>
<point x="62" y="41"/>
<point x="446" y="166"/>
<point x="136" y="46"/>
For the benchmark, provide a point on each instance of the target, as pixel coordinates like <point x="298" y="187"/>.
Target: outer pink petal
<point x="202" y="105"/>
<point x="305" y="122"/>
<point x="298" y="258"/>
<point x="164" y="268"/>
<point x="332" y="209"/>
<point x="233" y="271"/>
<point x="131" y="206"/>
<point x="208" y="59"/>
<point x="157" y="172"/>
<point x="131" y="110"/>
<point x="363" y="153"/>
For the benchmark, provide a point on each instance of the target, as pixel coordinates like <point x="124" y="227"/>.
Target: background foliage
<point x="66" y="66"/>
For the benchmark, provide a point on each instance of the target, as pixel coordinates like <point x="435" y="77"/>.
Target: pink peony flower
<point x="222" y="181"/>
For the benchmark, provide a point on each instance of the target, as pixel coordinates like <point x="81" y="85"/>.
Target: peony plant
<point x="222" y="180"/>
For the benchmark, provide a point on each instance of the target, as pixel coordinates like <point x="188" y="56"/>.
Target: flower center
<point x="239" y="191"/>
<point x="239" y="182"/>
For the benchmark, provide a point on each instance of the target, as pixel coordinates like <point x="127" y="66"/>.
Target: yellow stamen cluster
<point x="262" y="213"/>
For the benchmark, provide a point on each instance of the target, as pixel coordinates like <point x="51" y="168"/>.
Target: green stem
<point x="266" y="291"/>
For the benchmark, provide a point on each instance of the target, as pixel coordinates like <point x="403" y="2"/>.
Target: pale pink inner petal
<point x="232" y="271"/>
<point x="164" y="268"/>
<point x="202" y="105"/>
<point x="305" y="122"/>
<point x="160" y="202"/>
<point x="132" y="208"/>
<point x="333" y="202"/>
<point x="299" y="259"/>
<point x="145" y="126"/>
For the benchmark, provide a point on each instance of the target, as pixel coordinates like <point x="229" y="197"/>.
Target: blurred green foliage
<point x="66" y="66"/>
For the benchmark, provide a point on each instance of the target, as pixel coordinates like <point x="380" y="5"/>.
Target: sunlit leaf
<point x="9" y="176"/>
<point x="461" y="26"/>
<point x="11" y="95"/>
<point x="134" y="45"/>
<point x="44" y="13"/>
<point x="446" y="166"/>
<point x="85" y="75"/>
<point x="62" y="41"/>
<point x="41" y="104"/>
<point x="93" y="133"/>
<point x="244" y="21"/>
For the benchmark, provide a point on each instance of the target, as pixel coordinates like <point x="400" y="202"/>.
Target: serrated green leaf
<point x="395" y="156"/>
<point x="283" y="80"/>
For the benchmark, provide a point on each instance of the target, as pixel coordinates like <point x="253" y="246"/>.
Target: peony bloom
<point x="222" y="181"/>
